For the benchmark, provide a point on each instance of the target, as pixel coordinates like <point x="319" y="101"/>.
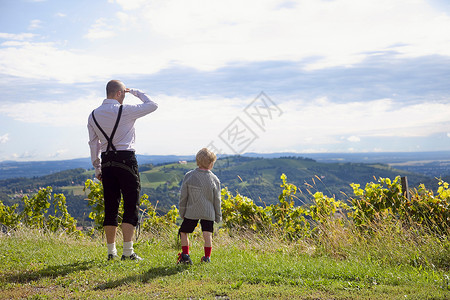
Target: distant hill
<point x="29" y="169"/>
<point x="434" y="164"/>
<point x="14" y="169"/>
<point x="257" y="178"/>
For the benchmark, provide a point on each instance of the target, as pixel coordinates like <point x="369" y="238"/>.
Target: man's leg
<point x="110" y="232"/>
<point x="128" y="233"/>
<point x="130" y="187"/>
<point x="111" y="194"/>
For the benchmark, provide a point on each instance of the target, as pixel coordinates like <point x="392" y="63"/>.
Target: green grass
<point x="77" y="190"/>
<point x="49" y="266"/>
<point x="171" y="174"/>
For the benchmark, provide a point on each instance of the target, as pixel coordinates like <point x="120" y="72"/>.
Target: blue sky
<point x="336" y="75"/>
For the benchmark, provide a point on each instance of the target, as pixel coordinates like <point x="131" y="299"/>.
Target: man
<point x="111" y="141"/>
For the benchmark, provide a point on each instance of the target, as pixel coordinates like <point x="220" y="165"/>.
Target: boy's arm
<point x="183" y="199"/>
<point x="218" y="203"/>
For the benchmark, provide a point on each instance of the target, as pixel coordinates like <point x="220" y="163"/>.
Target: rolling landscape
<point x="281" y="236"/>
<point x="256" y="176"/>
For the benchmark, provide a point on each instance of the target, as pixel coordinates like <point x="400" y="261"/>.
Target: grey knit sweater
<point x="200" y="196"/>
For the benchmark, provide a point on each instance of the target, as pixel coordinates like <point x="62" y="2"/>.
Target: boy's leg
<point x="207" y="236"/>
<point x="186" y="227"/>
<point x="207" y="228"/>
<point x="184" y="242"/>
<point x="183" y="257"/>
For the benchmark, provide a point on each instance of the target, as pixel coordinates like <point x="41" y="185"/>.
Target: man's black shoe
<point x="112" y="256"/>
<point x="133" y="256"/>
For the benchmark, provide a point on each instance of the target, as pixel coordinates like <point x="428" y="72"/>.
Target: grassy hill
<point x="57" y="266"/>
<point x="387" y="248"/>
<point x="257" y="178"/>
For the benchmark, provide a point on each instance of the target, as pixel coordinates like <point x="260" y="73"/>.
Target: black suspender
<point x="109" y="139"/>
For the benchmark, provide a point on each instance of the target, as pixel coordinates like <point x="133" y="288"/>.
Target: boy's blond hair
<point x="204" y="158"/>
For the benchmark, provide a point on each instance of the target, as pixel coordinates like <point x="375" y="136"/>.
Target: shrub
<point x="35" y="213"/>
<point x="385" y="201"/>
<point x="240" y="212"/>
<point x="152" y="222"/>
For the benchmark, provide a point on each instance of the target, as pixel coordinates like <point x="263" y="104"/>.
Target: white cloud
<point x="310" y="124"/>
<point x="61" y="15"/>
<point x="304" y="124"/>
<point x="4" y="138"/>
<point x="100" y="30"/>
<point x="35" y="24"/>
<point x="48" y="61"/>
<point x="208" y="35"/>
<point x="130" y="4"/>
<point x="172" y="111"/>
<point x="27" y="155"/>
<point x="354" y="139"/>
<point x="16" y="37"/>
<point x="55" y="113"/>
<point x="59" y="153"/>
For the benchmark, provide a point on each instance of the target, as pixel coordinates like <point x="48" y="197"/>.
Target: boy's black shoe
<point x="184" y="259"/>
<point x="206" y="259"/>
<point x="133" y="256"/>
<point x="112" y="256"/>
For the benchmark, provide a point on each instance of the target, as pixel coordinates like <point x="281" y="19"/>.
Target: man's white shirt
<point x="124" y="137"/>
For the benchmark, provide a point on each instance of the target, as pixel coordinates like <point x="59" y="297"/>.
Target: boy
<point x="199" y="200"/>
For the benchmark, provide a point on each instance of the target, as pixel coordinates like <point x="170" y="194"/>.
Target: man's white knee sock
<point x="112" y="248"/>
<point x="128" y="248"/>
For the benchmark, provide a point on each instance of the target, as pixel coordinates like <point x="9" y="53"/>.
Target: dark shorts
<point x="120" y="178"/>
<point x="189" y="225"/>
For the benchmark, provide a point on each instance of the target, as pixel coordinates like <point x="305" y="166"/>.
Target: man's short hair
<point x="113" y="87"/>
<point x="204" y="158"/>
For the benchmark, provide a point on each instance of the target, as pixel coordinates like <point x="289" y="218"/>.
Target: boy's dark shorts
<point x="189" y="225"/>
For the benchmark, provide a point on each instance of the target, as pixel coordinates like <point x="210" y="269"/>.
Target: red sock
<point x="208" y="251"/>
<point x="185" y="249"/>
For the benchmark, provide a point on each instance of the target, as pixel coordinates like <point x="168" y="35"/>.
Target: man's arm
<point x="139" y="110"/>
<point x="94" y="145"/>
